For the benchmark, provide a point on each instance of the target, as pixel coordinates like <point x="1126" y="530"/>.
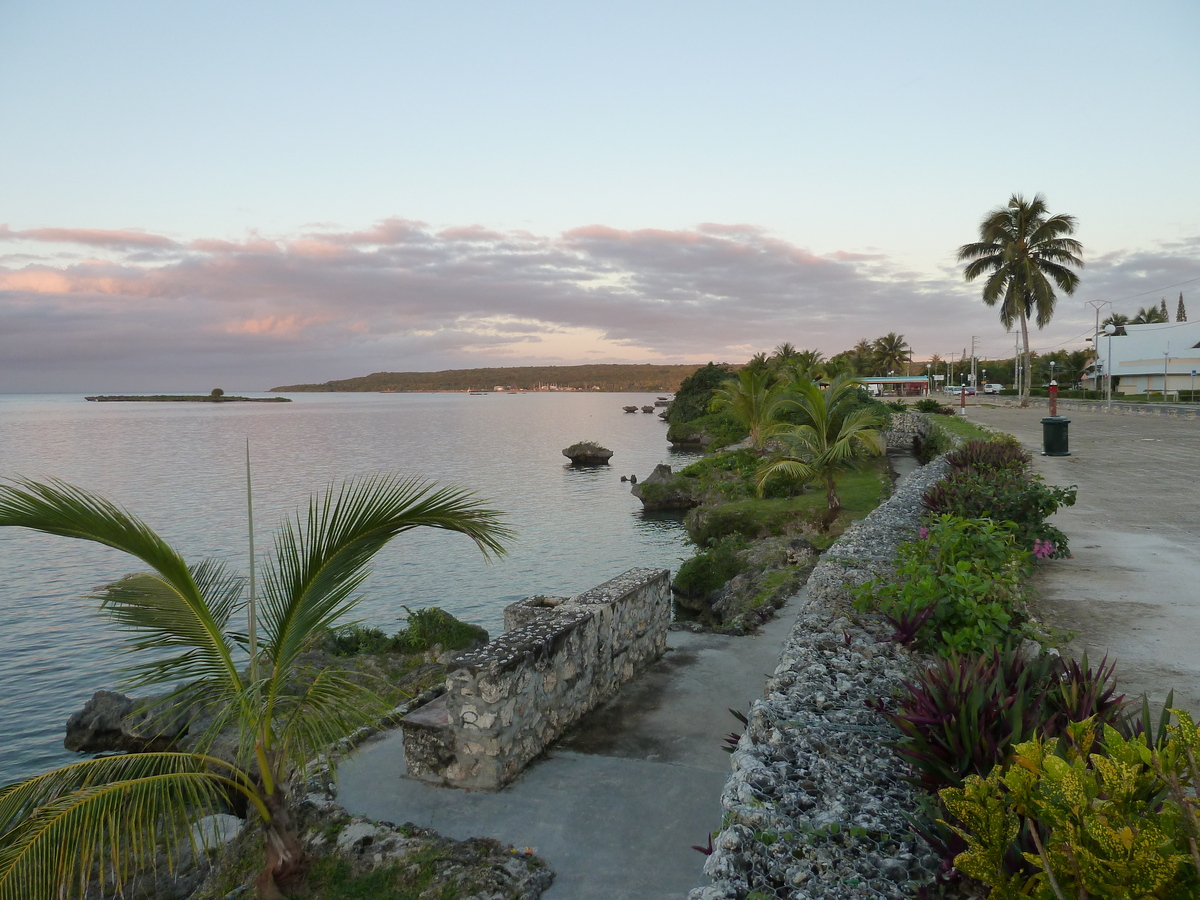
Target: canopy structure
<point x="897" y="385"/>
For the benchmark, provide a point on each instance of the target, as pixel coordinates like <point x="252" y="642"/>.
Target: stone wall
<point x="816" y="772"/>
<point x="905" y="428"/>
<point x="558" y="658"/>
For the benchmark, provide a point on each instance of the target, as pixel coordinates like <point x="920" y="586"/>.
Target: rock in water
<point x="664" y="490"/>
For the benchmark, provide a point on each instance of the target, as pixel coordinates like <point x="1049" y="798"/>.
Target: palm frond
<point x="321" y="562"/>
<point x="55" y="507"/>
<point x="103" y="818"/>
<point x="330" y="707"/>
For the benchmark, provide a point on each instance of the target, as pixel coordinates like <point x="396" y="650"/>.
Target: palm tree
<point x="1149" y="315"/>
<point x="1022" y="250"/>
<point x="752" y="399"/>
<point x="891" y="353"/>
<point x="104" y="814"/>
<point x="835" y="431"/>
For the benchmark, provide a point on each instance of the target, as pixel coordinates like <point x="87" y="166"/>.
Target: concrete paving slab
<point x="1132" y="588"/>
<point x="614" y="806"/>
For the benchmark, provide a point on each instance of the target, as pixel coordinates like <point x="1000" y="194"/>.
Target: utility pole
<point x="974" y="368"/>
<point x="1096" y="305"/>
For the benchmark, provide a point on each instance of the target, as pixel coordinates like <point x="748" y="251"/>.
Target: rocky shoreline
<point x="816" y="806"/>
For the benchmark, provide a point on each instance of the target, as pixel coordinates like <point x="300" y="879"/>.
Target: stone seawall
<point x="505" y="703"/>
<point x="815" y="807"/>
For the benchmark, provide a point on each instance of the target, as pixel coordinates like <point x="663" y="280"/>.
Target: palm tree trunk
<point x="833" y="503"/>
<point x="1024" y="360"/>
<point x="286" y="863"/>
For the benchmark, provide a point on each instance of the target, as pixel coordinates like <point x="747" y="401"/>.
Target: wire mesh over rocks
<point x="818" y="803"/>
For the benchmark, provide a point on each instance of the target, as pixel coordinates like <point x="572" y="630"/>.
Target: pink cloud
<point x="96" y="237"/>
<point x="331" y="304"/>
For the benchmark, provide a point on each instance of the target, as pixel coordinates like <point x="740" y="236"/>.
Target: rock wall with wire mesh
<point x="905" y="428"/>
<point x="816" y="805"/>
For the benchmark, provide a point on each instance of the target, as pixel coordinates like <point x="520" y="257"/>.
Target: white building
<point x="1148" y="356"/>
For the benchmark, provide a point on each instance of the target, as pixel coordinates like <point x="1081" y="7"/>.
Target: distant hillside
<point x="648" y="378"/>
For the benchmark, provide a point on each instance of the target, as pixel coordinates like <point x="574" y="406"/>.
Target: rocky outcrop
<point x="112" y="721"/>
<point x="588" y="453"/>
<point x="663" y="490"/>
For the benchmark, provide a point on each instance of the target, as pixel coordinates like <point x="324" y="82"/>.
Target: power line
<point x="1157" y="290"/>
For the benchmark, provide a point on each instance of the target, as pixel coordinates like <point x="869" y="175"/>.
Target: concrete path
<point x="1132" y="589"/>
<point x="615" y="806"/>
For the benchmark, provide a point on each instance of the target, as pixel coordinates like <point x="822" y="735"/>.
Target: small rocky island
<point x="588" y="453"/>
<point x="217" y="396"/>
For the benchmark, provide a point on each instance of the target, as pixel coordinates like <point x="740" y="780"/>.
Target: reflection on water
<point x="180" y="467"/>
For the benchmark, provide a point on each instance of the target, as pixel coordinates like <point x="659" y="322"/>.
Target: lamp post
<point x="1109" y="329"/>
<point x="928" y="382"/>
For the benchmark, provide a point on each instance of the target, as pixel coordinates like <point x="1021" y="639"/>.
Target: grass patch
<point x="408" y="879"/>
<point x="425" y="629"/>
<point x="961" y="427"/>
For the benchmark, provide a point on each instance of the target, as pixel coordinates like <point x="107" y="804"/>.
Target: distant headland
<point x="648" y="378"/>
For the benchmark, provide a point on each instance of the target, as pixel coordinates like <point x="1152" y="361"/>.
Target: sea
<point x="181" y="467"/>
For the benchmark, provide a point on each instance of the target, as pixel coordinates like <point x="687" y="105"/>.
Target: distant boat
<point x="478" y="393"/>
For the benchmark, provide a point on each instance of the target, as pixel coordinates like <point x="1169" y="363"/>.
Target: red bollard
<point x="1053" y="399"/>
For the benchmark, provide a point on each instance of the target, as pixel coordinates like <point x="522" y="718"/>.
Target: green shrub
<point x="928" y="448"/>
<point x="721" y="428"/>
<point x="425" y="629"/>
<point x="897" y="406"/>
<point x="710" y="569"/>
<point x="1114" y="820"/>
<point x="961" y="581"/>
<point x="751" y="518"/>
<point x="352" y="640"/>
<point x="695" y="393"/>
<point x="432" y="626"/>
<point x="928" y="405"/>
<point x="1006" y="496"/>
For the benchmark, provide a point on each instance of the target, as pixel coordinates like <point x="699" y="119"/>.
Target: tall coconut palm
<point x="834" y="433"/>
<point x="891" y="353"/>
<point x="1022" y="250"/>
<point x="105" y="814"/>
<point x="752" y="399"/>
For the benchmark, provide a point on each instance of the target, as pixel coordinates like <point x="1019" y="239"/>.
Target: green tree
<point x="1180" y="311"/>
<point x="696" y="392"/>
<point x="107" y="812"/>
<point x="753" y="399"/>
<point x="1024" y="252"/>
<point x="836" y="429"/>
<point x="891" y="353"/>
<point x="1150" y="315"/>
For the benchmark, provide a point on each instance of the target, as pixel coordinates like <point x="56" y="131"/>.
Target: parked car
<point x="993" y="388"/>
<point x="955" y="390"/>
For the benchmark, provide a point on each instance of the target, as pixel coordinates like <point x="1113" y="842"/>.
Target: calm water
<point x="180" y="466"/>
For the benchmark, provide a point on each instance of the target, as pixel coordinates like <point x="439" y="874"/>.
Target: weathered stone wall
<point x="506" y="702"/>
<point x="904" y="428"/>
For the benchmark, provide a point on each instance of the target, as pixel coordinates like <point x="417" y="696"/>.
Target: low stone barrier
<point x="558" y="658"/>
<point x="816" y="806"/>
<point x="906" y="428"/>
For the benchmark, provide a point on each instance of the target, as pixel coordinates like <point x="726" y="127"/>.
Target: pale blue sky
<point x="837" y="131"/>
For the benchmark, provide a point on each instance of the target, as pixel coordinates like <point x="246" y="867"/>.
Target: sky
<point x="253" y="194"/>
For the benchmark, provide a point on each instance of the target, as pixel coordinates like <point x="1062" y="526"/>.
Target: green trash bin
<point x="1054" y="436"/>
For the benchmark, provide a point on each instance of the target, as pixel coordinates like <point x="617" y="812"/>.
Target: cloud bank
<point x="86" y="309"/>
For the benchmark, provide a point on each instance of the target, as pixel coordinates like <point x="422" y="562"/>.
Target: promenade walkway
<point x="615" y="805"/>
<point x="1132" y="588"/>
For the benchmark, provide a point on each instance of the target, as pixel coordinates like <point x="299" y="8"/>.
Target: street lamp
<point x="928" y="383"/>
<point x="1109" y="329"/>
